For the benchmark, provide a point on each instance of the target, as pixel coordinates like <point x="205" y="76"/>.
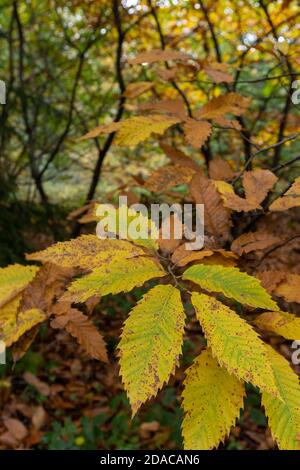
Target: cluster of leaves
<point x="75" y="274"/>
<point x="152" y="337"/>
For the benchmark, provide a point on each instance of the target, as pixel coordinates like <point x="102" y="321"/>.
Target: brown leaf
<point x="257" y="184"/>
<point x="20" y="348"/>
<point x="167" y="177"/>
<point x="270" y="279"/>
<point x="16" y="428"/>
<point x="219" y="169"/>
<point x="253" y="241"/>
<point x="232" y="103"/>
<point x="39" y="417"/>
<point x="41" y="387"/>
<point x="48" y="285"/>
<point x="289" y="289"/>
<point x="178" y="157"/>
<point x="167" y="74"/>
<point x="150" y="57"/>
<point x="9" y="440"/>
<point x="218" y="72"/>
<point x="290" y="199"/>
<point x="136" y="89"/>
<point x="216" y="216"/>
<point x="196" y="132"/>
<point x="174" y="108"/>
<point x="81" y="328"/>
<point x="182" y="256"/>
<point x="282" y="284"/>
<point x="231" y="123"/>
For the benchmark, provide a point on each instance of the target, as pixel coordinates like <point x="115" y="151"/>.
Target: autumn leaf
<point x="196" y="132"/>
<point x="253" y="241"/>
<point x="151" y="343"/>
<point x="167" y="177"/>
<point x="13" y="280"/>
<point x="178" y="157"/>
<point x="257" y="184"/>
<point x="113" y="278"/>
<point x="212" y="401"/>
<point x="220" y="169"/>
<point x="216" y="216"/>
<point x="290" y="199"/>
<point x="218" y="72"/>
<point x="136" y="89"/>
<point x="81" y="328"/>
<point x="281" y="323"/>
<point x="232" y="283"/>
<point x="182" y="256"/>
<point x="150" y="57"/>
<point x="173" y="108"/>
<point x="101" y="130"/>
<point x="87" y="252"/>
<point x="284" y="413"/>
<point x="281" y="283"/>
<point x="234" y="343"/>
<point x="138" y="128"/>
<point x="232" y="103"/>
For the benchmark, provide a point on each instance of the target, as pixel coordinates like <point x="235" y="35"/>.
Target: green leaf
<point x="151" y="343"/>
<point x="232" y="283"/>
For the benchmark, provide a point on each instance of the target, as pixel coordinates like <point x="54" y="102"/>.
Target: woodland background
<point x="65" y="64"/>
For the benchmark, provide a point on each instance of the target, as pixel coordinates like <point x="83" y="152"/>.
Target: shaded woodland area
<point x="162" y="101"/>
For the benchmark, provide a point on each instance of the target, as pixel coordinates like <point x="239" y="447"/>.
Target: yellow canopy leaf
<point x="151" y="343"/>
<point x="283" y="414"/>
<point x="114" y="277"/>
<point x="234" y="343"/>
<point x="212" y="399"/>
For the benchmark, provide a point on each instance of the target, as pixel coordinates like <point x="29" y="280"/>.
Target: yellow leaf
<point x="114" y="277"/>
<point x="232" y="283"/>
<point x="283" y="414"/>
<point x="212" y="399"/>
<point x="151" y="343"/>
<point x="101" y="130"/>
<point x="281" y="323"/>
<point x="14" y="279"/>
<point x="138" y="128"/>
<point x="234" y="343"/>
<point x="87" y="252"/>
<point x="24" y="321"/>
